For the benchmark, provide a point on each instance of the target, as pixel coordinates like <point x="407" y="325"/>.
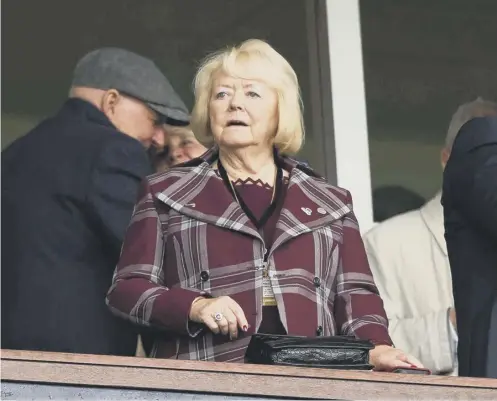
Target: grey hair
<point x="466" y="112"/>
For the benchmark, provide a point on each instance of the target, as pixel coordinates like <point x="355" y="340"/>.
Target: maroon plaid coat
<point x="189" y="237"/>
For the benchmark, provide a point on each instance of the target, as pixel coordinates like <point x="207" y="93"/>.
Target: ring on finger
<point x="218" y="316"/>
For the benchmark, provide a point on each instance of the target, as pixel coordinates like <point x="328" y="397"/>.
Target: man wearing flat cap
<point x="68" y="191"/>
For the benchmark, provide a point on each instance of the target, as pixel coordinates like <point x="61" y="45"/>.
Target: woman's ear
<point x="109" y="101"/>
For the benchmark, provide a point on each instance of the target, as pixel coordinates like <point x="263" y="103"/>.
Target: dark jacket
<point x="470" y="210"/>
<point x="68" y="190"/>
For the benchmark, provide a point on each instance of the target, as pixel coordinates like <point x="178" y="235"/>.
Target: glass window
<point x="421" y="60"/>
<point x="40" y="53"/>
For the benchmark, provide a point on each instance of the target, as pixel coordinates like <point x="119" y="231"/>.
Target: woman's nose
<point x="179" y="156"/>
<point x="236" y="101"/>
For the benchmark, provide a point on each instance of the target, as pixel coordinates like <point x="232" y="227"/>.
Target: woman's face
<point x="242" y="112"/>
<point x="184" y="149"/>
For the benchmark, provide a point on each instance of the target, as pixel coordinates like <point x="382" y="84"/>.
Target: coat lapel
<point x="309" y="204"/>
<point x="199" y="193"/>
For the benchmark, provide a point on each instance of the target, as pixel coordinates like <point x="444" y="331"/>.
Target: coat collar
<point x="432" y="215"/>
<point x="85" y="110"/>
<point x="199" y="193"/>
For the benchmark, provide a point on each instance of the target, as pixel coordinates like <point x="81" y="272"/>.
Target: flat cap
<point x="134" y="75"/>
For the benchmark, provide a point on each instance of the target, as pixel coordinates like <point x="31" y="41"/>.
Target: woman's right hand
<point x="221" y="315"/>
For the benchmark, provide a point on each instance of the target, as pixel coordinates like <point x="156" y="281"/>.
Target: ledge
<point x="232" y="379"/>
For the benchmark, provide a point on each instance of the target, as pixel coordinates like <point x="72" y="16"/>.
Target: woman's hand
<point x="384" y="357"/>
<point x="220" y="315"/>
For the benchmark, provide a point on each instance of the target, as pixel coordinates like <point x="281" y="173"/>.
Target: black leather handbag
<point x="337" y="352"/>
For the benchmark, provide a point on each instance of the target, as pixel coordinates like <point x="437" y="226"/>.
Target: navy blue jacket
<point x="470" y="211"/>
<point x="68" y="192"/>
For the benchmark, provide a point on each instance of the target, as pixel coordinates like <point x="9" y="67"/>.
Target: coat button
<point x="204" y="275"/>
<point x="319" y="331"/>
<point x="317" y="282"/>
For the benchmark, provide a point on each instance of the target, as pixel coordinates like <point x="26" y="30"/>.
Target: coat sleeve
<point x="139" y="292"/>
<point x="428" y="336"/>
<point x="358" y="307"/>
<point x="116" y="176"/>
<point x="475" y="189"/>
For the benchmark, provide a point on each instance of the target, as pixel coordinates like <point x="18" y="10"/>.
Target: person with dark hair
<point x="391" y="200"/>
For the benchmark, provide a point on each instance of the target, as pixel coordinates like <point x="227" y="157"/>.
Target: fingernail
<point x="244" y="328"/>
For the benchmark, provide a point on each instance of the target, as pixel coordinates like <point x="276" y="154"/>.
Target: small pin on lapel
<point x="190" y="204"/>
<point x="307" y="211"/>
<point x="321" y="210"/>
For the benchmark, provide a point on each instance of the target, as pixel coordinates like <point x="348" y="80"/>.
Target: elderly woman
<point x="245" y="239"/>
<point x="181" y="146"/>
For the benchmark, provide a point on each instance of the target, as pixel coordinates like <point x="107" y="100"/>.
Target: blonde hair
<point x="270" y="67"/>
<point x="181" y="131"/>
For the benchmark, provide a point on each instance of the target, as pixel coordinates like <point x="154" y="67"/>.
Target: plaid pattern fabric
<point x="189" y="237"/>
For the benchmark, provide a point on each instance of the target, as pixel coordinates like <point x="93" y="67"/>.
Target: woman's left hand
<point x="386" y="358"/>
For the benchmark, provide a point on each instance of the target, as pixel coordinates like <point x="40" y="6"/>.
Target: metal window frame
<point x="339" y="99"/>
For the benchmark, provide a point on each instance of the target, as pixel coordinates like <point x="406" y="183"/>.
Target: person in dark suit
<point x="68" y="191"/>
<point x="470" y="212"/>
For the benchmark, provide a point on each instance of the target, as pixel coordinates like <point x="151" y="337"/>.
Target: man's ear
<point x="109" y="101"/>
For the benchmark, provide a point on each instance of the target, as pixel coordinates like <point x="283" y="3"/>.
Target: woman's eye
<point x="252" y="94"/>
<point x="220" y="95"/>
